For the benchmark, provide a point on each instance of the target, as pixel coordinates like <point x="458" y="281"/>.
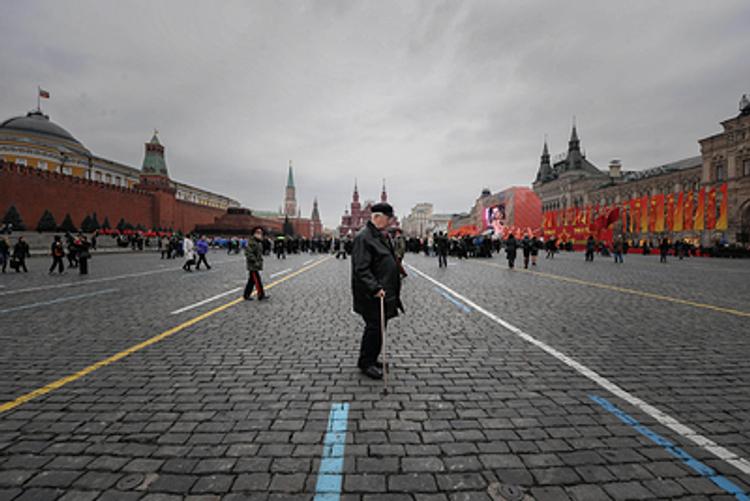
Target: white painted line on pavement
<point x="201" y="303"/>
<point x="279" y="273"/>
<point x="96" y="280"/>
<point x="55" y="301"/>
<point x="706" y="443"/>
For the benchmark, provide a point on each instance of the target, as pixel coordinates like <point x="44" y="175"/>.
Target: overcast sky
<point x="440" y="98"/>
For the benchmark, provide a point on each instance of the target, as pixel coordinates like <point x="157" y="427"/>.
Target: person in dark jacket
<point x="254" y="264"/>
<point x="4" y="252"/>
<point x="58" y="253"/>
<point x="375" y="275"/>
<point x="20" y="252"/>
<point x="84" y="254"/>
<point x="511" y="245"/>
<point x="441" y="245"/>
<point x="526" y="246"/>
<point x="536" y="244"/>
<point x="663" y="250"/>
<point x="590" y="248"/>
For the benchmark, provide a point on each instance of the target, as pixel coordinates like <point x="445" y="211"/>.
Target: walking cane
<point x="385" y="345"/>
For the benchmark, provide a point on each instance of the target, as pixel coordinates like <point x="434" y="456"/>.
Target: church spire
<point x="383" y="193"/>
<point x="315" y="213"/>
<point x="290" y="198"/>
<point x="290" y="177"/>
<point x="545" y="169"/>
<point x="574" y="144"/>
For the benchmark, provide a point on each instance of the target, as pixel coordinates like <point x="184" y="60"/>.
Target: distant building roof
<point x="686" y="163"/>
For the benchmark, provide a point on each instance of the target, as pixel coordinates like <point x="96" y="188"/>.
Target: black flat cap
<point x="383" y="208"/>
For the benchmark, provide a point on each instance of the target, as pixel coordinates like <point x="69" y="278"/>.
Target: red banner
<point x="722" y="223"/>
<point x="711" y="209"/>
<point x="670" y="212"/>
<point x="688" y="212"/>
<point x="677" y="225"/>
<point x="659" y="216"/>
<point x="644" y="213"/>
<point x="698" y="220"/>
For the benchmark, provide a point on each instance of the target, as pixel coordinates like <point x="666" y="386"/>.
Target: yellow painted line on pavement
<point x="129" y="351"/>
<point x="634" y="292"/>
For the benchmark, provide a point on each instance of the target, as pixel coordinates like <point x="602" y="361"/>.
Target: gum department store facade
<point x="573" y="183"/>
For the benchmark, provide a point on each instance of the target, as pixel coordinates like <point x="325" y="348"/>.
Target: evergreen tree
<point x="13" y="217"/>
<point x="67" y="224"/>
<point x="95" y="222"/>
<point x="288" y="229"/>
<point x="105" y="224"/>
<point x="122" y="225"/>
<point x="46" y="222"/>
<point x="86" y="224"/>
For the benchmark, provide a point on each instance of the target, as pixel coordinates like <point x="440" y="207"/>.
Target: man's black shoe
<point x="264" y="298"/>
<point x="248" y="298"/>
<point x="379" y="365"/>
<point x="372" y="372"/>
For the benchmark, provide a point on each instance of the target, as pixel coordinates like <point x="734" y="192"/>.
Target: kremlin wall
<point x="44" y="168"/>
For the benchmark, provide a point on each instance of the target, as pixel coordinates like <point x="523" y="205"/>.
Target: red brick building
<point x="357" y="215"/>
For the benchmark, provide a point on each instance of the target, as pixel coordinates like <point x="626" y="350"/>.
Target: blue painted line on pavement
<point x="679" y="453"/>
<point x="453" y="300"/>
<point x="330" y="475"/>
<point x="55" y="301"/>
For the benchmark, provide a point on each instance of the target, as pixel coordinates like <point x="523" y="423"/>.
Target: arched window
<point x="720" y="170"/>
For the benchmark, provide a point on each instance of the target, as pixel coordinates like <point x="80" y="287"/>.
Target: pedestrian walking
<point x="202" y="249"/>
<point x="536" y="244"/>
<point x="279" y="247"/>
<point x="4" y="253"/>
<point x="254" y="265"/>
<point x="72" y="254"/>
<point x="375" y="276"/>
<point x="20" y="252"/>
<point x="511" y="246"/>
<point x="188" y="252"/>
<point x="551" y="247"/>
<point x="84" y="254"/>
<point x="57" y="251"/>
<point x="526" y="247"/>
<point x="590" y="248"/>
<point x="663" y="250"/>
<point x="441" y="249"/>
<point x="617" y="248"/>
<point x="399" y="248"/>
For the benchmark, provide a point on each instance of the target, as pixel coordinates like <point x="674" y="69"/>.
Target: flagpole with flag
<point x="41" y="93"/>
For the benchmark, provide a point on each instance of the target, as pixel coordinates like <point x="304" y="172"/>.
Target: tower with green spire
<point x="290" y="199"/>
<point x="153" y="162"/>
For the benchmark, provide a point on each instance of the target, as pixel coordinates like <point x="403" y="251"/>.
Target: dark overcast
<point x="440" y="98"/>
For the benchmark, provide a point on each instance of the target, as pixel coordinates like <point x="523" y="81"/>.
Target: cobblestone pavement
<point x="236" y="404"/>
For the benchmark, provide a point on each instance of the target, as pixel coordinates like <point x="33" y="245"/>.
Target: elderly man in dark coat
<point x="375" y="275"/>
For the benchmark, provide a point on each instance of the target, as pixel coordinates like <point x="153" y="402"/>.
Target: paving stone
<point x="54" y="478"/>
<point x="252" y="482"/>
<point x="213" y="483"/>
<point x="413" y="482"/>
<point x="172" y="483"/>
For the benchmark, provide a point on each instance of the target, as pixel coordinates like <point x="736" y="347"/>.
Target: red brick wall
<point x="187" y="215"/>
<point x="33" y="191"/>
